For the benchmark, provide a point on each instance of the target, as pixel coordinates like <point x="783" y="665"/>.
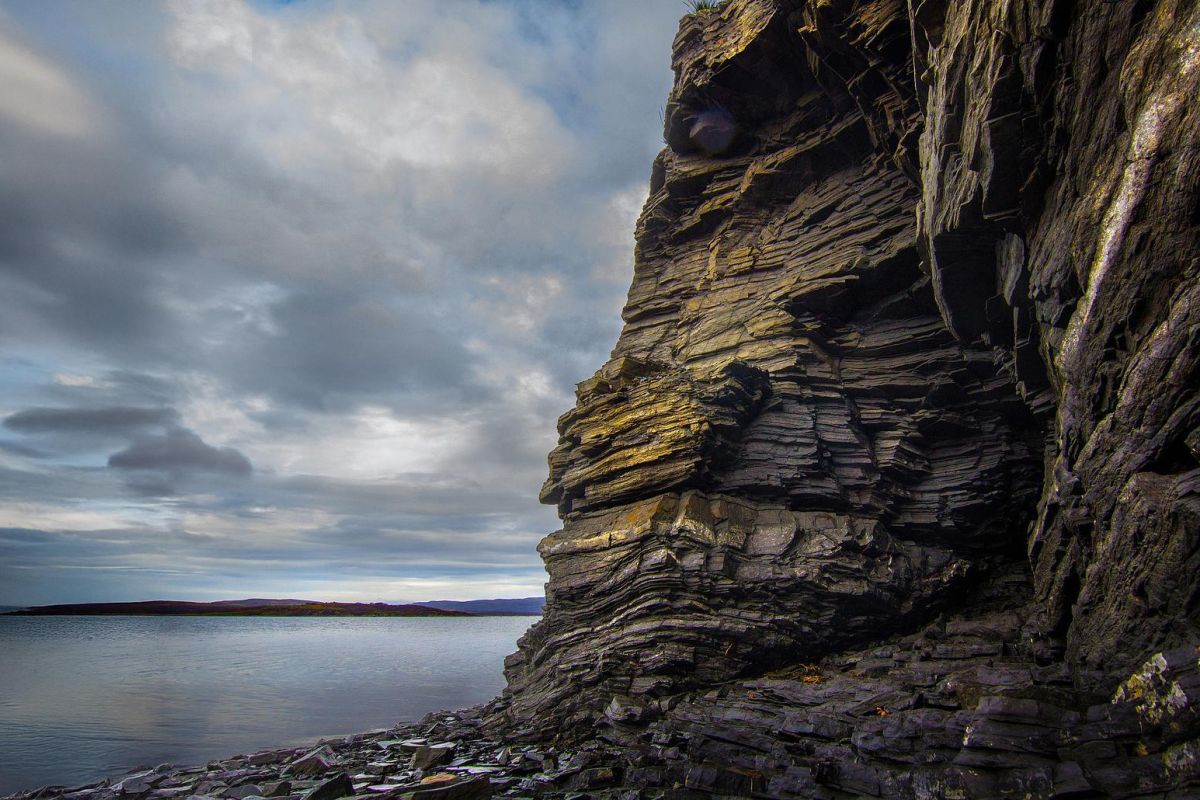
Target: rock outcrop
<point x="915" y="311"/>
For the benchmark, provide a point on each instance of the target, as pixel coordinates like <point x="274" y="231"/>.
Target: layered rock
<point x="958" y="709"/>
<point x="1059" y="168"/>
<point x="915" y="302"/>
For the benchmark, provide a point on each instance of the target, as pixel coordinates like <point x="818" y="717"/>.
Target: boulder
<point x="450" y="787"/>
<point x="427" y="756"/>
<point x="314" y="762"/>
<point x="339" y="785"/>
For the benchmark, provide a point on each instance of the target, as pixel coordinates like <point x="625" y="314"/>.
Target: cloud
<point x="328" y="349"/>
<point x="118" y="419"/>
<point x="40" y="96"/>
<point x="180" y="450"/>
<point x="442" y="105"/>
<point x="311" y="290"/>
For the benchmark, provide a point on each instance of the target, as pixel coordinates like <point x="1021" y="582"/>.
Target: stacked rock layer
<point x="915" y="304"/>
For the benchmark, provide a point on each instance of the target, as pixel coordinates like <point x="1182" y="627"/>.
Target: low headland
<point x="261" y="607"/>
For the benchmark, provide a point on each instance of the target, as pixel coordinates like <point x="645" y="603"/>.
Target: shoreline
<point x="93" y="697"/>
<point x="443" y="755"/>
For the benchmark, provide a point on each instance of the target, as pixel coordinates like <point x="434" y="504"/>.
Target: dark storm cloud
<point x="48" y="432"/>
<point x="118" y="419"/>
<point x="307" y="286"/>
<point x="81" y="238"/>
<point x="23" y="450"/>
<point x="331" y="349"/>
<point x="180" y="450"/>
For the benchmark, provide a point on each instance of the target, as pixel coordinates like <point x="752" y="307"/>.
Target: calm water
<point x="84" y="697"/>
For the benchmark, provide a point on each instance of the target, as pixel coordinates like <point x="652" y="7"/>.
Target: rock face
<point x="1059" y="173"/>
<point x="915" y="309"/>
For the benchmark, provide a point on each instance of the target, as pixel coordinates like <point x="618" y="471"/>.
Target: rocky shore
<point x="445" y="755"/>
<point x="964" y="708"/>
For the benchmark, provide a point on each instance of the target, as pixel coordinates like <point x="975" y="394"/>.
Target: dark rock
<point x="594" y="778"/>
<point x="626" y="710"/>
<point x="139" y="784"/>
<point x="270" y="757"/>
<point x="339" y="785"/>
<point x="314" y="762"/>
<point x="478" y="788"/>
<point x="427" y="756"/>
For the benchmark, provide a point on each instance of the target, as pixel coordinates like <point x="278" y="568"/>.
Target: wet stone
<point x="427" y="756"/>
<point x="331" y="789"/>
<point x="139" y="784"/>
<point x="315" y="762"/>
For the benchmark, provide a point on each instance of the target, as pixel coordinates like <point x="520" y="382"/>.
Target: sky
<point x="292" y="294"/>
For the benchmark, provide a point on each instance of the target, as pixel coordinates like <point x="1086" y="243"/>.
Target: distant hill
<point x="523" y="606"/>
<point x="261" y="601"/>
<point x="243" y="608"/>
<point x="4" y="609"/>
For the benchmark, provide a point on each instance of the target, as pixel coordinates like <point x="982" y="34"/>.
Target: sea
<point x="82" y="698"/>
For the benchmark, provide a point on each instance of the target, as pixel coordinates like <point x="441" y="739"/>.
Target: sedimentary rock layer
<point x="789" y="451"/>
<point x="958" y="709"/>
<point x="915" y="302"/>
<point x="1059" y="170"/>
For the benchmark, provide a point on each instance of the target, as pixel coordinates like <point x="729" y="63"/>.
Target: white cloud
<point x="211" y="32"/>
<point x="94" y="517"/>
<point x="70" y="379"/>
<point x="370" y="442"/>
<point x="318" y="91"/>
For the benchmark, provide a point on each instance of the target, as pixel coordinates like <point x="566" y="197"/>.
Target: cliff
<point x="891" y="486"/>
